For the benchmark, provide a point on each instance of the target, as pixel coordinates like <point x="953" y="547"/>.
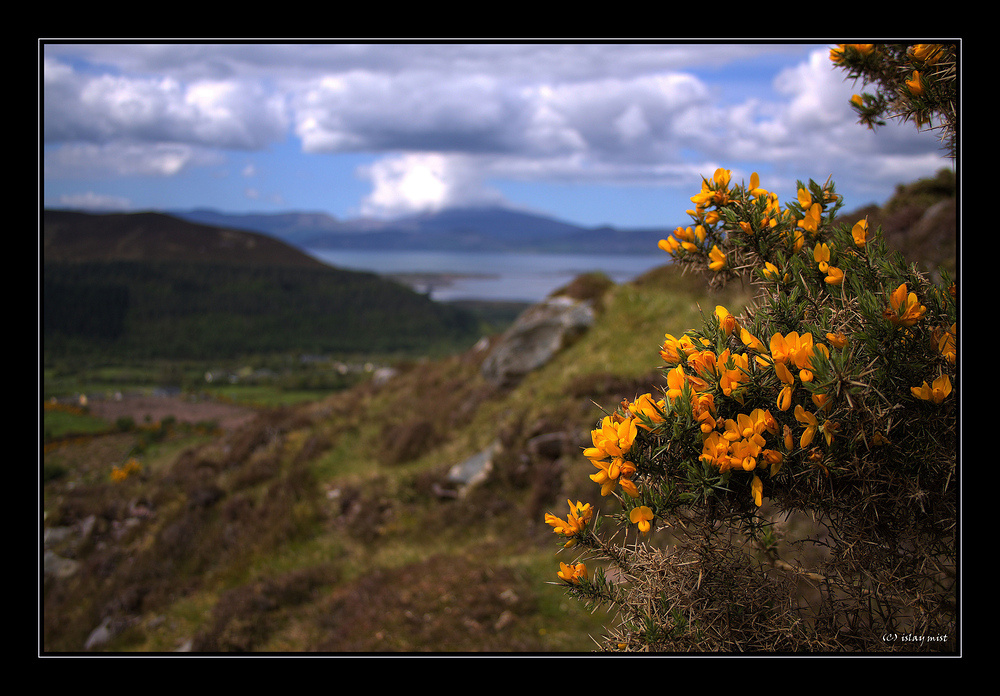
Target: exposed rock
<point x="100" y="635"/>
<point x="55" y="566"/>
<point x="535" y="337"/>
<point x="468" y="473"/>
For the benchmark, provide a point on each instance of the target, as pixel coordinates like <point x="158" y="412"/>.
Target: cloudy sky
<point x="593" y="134"/>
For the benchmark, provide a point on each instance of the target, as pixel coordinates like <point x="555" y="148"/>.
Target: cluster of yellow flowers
<point x="119" y="474"/>
<point x="575" y="522"/>
<point x="612" y="441"/>
<point x="737" y="365"/>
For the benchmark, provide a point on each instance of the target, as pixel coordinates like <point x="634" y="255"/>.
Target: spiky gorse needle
<point x="839" y="381"/>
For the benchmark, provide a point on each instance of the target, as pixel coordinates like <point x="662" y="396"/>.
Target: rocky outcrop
<point x="535" y="337"/>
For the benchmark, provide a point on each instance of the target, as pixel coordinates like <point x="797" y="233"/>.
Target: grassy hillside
<point x="332" y="525"/>
<point x="328" y="527"/>
<point x="150" y="286"/>
<point x="920" y="221"/>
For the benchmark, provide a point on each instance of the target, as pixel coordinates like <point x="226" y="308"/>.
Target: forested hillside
<point x="151" y="286"/>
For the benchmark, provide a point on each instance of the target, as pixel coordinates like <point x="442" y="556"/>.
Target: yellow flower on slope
<point x="860" y="232"/>
<point x="810" y="424"/>
<point x="670" y="245"/>
<point x="914" y="84"/>
<point x="926" y="53"/>
<point x="130" y="467"/>
<point x="733" y="370"/>
<point x="904" y="309"/>
<point x="755" y="189"/>
<point x="575" y="522"/>
<point x="718" y="259"/>
<point x="644" y="406"/>
<point x="572" y="573"/>
<point x="643" y="517"/>
<point x="612" y="473"/>
<point x="757" y="490"/>
<point x="936" y="392"/>
<point x="677" y="350"/>
<point x="727" y="322"/>
<point x="813" y="212"/>
<point x="751" y="341"/>
<point x="821" y="254"/>
<point x="837" y="340"/>
<point x="613" y="439"/>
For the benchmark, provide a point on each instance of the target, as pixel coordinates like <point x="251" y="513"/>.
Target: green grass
<point x="56" y="424"/>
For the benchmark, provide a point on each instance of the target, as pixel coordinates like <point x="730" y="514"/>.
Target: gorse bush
<point x="833" y="395"/>
<point x="913" y="82"/>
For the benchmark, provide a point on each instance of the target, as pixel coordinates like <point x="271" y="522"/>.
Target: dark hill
<point x="73" y="237"/>
<point x="920" y="221"/>
<point x="150" y="286"/>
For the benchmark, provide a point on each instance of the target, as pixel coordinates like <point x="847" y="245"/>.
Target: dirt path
<point x="228" y="416"/>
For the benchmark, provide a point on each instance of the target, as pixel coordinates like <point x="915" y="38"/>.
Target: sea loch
<point x="516" y="277"/>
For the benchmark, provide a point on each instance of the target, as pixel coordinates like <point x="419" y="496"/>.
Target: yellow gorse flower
<point x="945" y="342"/>
<point x="575" y="522"/>
<point x="810" y="223"/>
<point x="834" y="276"/>
<point x="645" y="408"/>
<point x="611" y="442"/>
<point x="573" y="573"/>
<point x="860" y="232"/>
<point x="613" y="439"/>
<point x="119" y="474"/>
<point x="837" y="340"/>
<point x="821" y="254"/>
<point x="838" y="54"/>
<point x="718" y="259"/>
<point x="727" y="322"/>
<point x="641" y="516"/>
<point x="757" y="490"/>
<point x="676" y="350"/>
<point x="733" y="371"/>
<point x="755" y="189"/>
<point x="936" y="392"/>
<point x="926" y="53"/>
<point x="904" y="309"/>
<point x="810" y="424"/>
<point x="670" y="245"/>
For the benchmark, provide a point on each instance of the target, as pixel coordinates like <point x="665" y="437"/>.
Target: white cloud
<point x="124" y="159"/>
<point x="419" y="182"/>
<point x="93" y="201"/>
<point x="106" y="108"/>
<point x="446" y="119"/>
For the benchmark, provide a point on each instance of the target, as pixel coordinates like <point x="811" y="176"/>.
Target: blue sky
<point x="590" y="133"/>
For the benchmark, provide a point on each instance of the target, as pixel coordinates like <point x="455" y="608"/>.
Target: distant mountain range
<point x="465" y="229"/>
